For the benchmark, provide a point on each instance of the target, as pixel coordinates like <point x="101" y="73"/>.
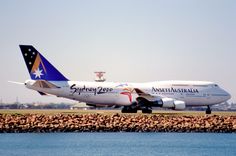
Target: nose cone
<point x="228" y="96"/>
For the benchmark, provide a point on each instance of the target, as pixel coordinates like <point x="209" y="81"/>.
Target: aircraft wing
<point x="146" y="99"/>
<point x="147" y="96"/>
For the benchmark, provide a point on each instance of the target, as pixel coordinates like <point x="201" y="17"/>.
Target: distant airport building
<point x="99" y="76"/>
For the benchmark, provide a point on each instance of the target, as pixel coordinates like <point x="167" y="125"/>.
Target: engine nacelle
<point x="164" y="102"/>
<point x="174" y="104"/>
<point x="179" y="105"/>
<point x="167" y="102"/>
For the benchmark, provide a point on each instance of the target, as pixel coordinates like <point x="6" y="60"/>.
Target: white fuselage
<point x="193" y="93"/>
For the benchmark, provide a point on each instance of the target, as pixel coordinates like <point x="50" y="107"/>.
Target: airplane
<point x="176" y="95"/>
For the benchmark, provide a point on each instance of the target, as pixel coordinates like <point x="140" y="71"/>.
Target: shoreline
<point x="115" y="122"/>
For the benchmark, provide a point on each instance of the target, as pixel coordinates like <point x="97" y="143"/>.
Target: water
<point x="117" y="144"/>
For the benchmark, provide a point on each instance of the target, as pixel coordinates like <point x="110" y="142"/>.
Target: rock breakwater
<point x="12" y="123"/>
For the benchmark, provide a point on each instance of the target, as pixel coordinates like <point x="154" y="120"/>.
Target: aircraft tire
<point x="208" y="110"/>
<point x="147" y="111"/>
<point x="129" y="110"/>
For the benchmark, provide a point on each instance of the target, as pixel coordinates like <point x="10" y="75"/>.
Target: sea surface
<point x="117" y="144"/>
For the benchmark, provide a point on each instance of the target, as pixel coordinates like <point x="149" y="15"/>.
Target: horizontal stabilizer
<point x="19" y="83"/>
<point x="44" y="84"/>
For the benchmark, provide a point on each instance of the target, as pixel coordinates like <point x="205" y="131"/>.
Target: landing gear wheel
<point x="134" y="111"/>
<point x="124" y="111"/>
<point x="129" y="110"/>
<point x="208" y="110"/>
<point x="147" y="111"/>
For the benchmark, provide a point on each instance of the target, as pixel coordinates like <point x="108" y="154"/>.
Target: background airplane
<point x="46" y="79"/>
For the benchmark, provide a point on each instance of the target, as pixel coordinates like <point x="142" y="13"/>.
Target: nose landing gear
<point x="208" y="110"/>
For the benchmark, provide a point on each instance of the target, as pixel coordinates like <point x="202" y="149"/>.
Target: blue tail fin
<point x="39" y="68"/>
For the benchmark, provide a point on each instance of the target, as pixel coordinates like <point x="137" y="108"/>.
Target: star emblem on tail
<point x="38" y="73"/>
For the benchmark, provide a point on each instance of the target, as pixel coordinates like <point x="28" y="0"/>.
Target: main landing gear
<point x="208" y="110"/>
<point x="147" y="111"/>
<point x="130" y="109"/>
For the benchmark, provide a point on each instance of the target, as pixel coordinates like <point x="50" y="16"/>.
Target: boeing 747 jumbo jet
<point x="46" y="79"/>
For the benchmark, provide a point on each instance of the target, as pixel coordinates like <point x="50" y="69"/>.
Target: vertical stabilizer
<point x="38" y="66"/>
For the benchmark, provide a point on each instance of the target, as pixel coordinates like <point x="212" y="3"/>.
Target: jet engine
<point x="164" y="102"/>
<point x="179" y="105"/>
<point x="174" y="104"/>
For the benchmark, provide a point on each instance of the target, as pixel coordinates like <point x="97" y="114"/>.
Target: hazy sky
<point x="132" y="40"/>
